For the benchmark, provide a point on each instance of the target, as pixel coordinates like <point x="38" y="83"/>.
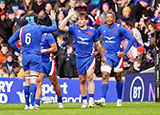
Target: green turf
<point x="128" y="108"/>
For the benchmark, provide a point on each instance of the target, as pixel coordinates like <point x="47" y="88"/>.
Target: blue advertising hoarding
<point x="139" y="87"/>
<point x="11" y="90"/>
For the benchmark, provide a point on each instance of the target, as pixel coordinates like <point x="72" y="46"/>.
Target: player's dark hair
<point x="62" y="37"/>
<point x="83" y="14"/>
<point x="110" y="12"/>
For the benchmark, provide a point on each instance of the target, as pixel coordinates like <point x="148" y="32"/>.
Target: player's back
<point x="30" y="36"/>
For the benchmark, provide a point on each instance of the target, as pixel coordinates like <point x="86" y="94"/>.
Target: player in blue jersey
<point x="84" y="38"/>
<point x="30" y="36"/>
<point x="112" y="36"/>
<point x="48" y="47"/>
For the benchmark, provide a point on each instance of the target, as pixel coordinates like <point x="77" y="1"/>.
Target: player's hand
<point x="120" y="54"/>
<point x="103" y="59"/>
<point x="53" y="15"/>
<point x="71" y="12"/>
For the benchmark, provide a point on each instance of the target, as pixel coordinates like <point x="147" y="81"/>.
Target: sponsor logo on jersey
<point x="83" y="38"/>
<point x="109" y="38"/>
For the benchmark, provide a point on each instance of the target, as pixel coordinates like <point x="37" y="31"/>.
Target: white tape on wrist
<point x="44" y="50"/>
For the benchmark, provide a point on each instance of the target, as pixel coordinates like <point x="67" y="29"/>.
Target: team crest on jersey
<point x="78" y="30"/>
<point x="104" y="31"/>
<point x="89" y="32"/>
<point x="115" y="31"/>
<point x="42" y="39"/>
<point x="78" y="71"/>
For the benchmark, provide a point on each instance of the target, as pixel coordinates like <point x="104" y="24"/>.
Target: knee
<point x="54" y="82"/>
<point x="83" y="81"/>
<point x="39" y="83"/>
<point x="118" y="77"/>
<point x="105" y="76"/>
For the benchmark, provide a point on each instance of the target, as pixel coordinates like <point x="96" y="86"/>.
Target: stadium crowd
<point x="139" y="17"/>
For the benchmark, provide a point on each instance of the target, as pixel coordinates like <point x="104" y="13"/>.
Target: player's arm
<point x="130" y="37"/>
<point x="100" y="50"/>
<point x="12" y="41"/>
<point x="63" y="26"/>
<point x="53" y="46"/>
<point x="49" y="29"/>
<point x="52" y="49"/>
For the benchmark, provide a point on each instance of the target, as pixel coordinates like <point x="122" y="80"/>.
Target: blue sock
<point x="119" y="87"/>
<point x="37" y="101"/>
<point x="59" y="99"/>
<point x="26" y="94"/>
<point x="84" y="97"/>
<point x="33" y="89"/>
<point x="91" y="95"/>
<point x="104" y="89"/>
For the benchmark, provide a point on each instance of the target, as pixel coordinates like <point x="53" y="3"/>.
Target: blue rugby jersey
<point x="46" y="41"/>
<point x="112" y="37"/>
<point x="84" y="40"/>
<point x="30" y="36"/>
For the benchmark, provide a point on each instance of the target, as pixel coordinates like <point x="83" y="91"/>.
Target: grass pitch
<point x="128" y="108"/>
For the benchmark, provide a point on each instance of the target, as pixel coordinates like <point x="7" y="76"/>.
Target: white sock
<point x="91" y="99"/>
<point x="84" y="100"/>
<point x="103" y="99"/>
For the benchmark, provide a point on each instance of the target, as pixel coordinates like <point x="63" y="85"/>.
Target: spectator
<point x="17" y="71"/>
<point x="28" y="4"/>
<point x="4" y="72"/>
<point x="4" y="6"/>
<point x="142" y="26"/>
<point x="44" y="18"/>
<point x="91" y="9"/>
<point x="8" y="62"/>
<point x="70" y="63"/>
<point x="1" y="41"/>
<point x="81" y="5"/>
<point x="60" y="16"/>
<point x="60" y="56"/>
<point x="149" y="60"/>
<point x="5" y="26"/>
<point x="48" y="7"/>
<point x="19" y="18"/>
<point x="139" y="8"/>
<point x="150" y="40"/>
<point x="121" y="5"/>
<point x="38" y="5"/>
<point x="105" y="9"/>
<point x="136" y="67"/>
<point x="3" y="53"/>
<point x="61" y="5"/>
<point x="126" y="16"/>
<point x="74" y="20"/>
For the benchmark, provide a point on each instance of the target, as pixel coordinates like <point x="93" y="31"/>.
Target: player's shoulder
<point x="118" y="25"/>
<point x="47" y="35"/>
<point x="102" y="26"/>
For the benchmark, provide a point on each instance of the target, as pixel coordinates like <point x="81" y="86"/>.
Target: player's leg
<point x="106" y="70"/>
<point x="83" y="89"/>
<point x="118" y="76"/>
<point x="33" y="79"/>
<point x="57" y="88"/>
<point x="91" y="86"/>
<point x="39" y="90"/>
<point x="27" y="89"/>
<point x="119" y="87"/>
